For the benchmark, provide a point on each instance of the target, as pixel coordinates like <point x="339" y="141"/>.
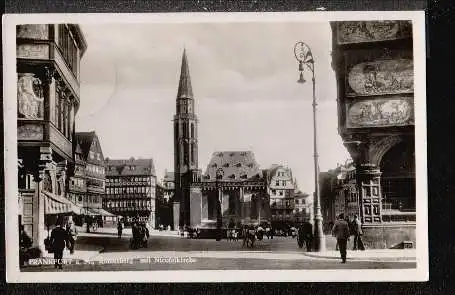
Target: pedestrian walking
<point x="340" y="230"/>
<point x="357" y="228"/>
<point x="25" y="242"/>
<point x="119" y="229"/>
<point x="72" y="236"/>
<point x="58" y="241"/>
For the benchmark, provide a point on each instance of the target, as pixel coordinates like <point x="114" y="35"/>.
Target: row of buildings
<point x="233" y="189"/>
<point x="62" y="172"/>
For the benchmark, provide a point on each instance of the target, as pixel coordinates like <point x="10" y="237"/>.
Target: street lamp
<point x="305" y="58"/>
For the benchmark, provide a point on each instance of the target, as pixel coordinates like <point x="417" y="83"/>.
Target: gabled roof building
<point x="131" y="189"/>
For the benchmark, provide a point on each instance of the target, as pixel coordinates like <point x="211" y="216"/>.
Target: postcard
<point x="215" y="147"/>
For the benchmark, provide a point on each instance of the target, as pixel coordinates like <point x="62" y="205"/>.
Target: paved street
<point x="167" y="251"/>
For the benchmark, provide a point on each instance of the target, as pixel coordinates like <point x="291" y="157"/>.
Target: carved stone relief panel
<point x="35" y="31"/>
<point x="372" y="31"/>
<point x="382" y="77"/>
<point x="380" y="113"/>
<point x="30" y="99"/>
<point x="33" y="51"/>
<point x="30" y="132"/>
<point x="379" y="72"/>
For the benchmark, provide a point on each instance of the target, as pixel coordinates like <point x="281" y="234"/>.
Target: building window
<point x="280" y="192"/>
<point x="283" y="182"/>
<point x="68" y="48"/>
<point x="277" y="183"/>
<point x="192" y="130"/>
<point x="297" y="201"/>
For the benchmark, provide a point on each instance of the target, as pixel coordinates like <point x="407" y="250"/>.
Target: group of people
<point x="342" y="231"/>
<point x="141" y="235"/>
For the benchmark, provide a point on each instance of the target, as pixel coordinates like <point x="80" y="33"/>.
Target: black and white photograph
<point x="211" y="147"/>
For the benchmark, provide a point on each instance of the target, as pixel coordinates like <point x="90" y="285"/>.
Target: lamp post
<point x="305" y="58"/>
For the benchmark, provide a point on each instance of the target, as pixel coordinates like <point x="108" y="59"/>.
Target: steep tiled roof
<point x="235" y="165"/>
<point x="118" y="167"/>
<point x="85" y="139"/>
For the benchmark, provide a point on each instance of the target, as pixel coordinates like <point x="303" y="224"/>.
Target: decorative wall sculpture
<point x="370" y="31"/>
<point x="33" y="51"/>
<point x="381" y="77"/>
<point x="380" y="113"/>
<point x="30" y="132"/>
<point x="36" y="31"/>
<point x="30" y="98"/>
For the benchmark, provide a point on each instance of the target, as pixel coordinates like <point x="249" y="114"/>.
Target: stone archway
<point x="381" y="147"/>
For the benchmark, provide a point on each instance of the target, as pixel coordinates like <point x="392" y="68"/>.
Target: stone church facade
<point x="232" y="190"/>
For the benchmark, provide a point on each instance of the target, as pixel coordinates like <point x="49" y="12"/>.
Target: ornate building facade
<point x="94" y="172"/>
<point x="48" y="71"/>
<point x="131" y="189"/>
<point x="281" y="191"/>
<point x="373" y="62"/>
<point x="232" y="190"/>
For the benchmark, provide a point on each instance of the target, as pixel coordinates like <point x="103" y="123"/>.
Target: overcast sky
<point x="244" y="82"/>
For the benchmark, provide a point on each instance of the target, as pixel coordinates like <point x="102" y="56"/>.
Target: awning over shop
<point x="58" y="205"/>
<point x="98" y="212"/>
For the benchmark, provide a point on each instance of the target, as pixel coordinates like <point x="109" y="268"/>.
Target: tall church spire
<point x="185" y="90"/>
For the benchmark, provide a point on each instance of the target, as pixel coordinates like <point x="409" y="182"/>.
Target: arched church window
<point x="192" y="130"/>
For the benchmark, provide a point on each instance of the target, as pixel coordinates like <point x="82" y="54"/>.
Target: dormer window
<point x="243" y="176"/>
<point x="232" y="176"/>
<point x="226" y="165"/>
<point x="250" y="165"/>
<point x="238" y="165"/>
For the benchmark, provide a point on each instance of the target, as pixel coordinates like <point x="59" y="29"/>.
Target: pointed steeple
<point x="185" y="90"/>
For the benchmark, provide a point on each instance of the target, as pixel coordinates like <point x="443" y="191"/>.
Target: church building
<point x="232" y="190"/>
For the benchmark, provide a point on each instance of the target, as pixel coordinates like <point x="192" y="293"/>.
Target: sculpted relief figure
<point x="30" y="98"/>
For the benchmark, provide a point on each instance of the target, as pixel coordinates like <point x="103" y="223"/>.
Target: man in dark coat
<point x="308" y="234"/>
<point x="119" y="229"/>
<point x="340" y="230"/>
<point x="357" y="231"/>
<point x="58" y="241"/>
<point x="25" y="242"/>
